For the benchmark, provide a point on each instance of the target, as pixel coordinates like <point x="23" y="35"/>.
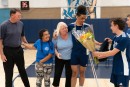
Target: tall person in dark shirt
<point x="11" y="36"/>
<point x="79" y="58"/>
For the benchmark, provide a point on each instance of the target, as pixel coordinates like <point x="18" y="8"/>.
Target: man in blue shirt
<point x="120" y="69"/>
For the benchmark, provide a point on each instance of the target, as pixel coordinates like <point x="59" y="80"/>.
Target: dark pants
<point x="14" y="56"/>
<point x="59" y="65"/>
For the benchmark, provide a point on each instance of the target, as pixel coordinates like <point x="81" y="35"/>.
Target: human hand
<point x="94" y="54"/>
<point x="23" y="45"/>
<point x="3" y="58"/>
<point x="58" y="55"/>
<point x="99" y="43"/>
<point x="40" y="62"/>
<point x="109" y="40"/>
<point x="55" y="34"/>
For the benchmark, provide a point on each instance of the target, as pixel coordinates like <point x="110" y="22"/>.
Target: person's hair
<point x="14" y="10"/>
<point x="81" y="10"/>
<point x="118" y="21"/>
<point x="128" y="15"/>
<point x="41" y="33"/>
<point x="59" y="26"/>
<point x="40" y="37"/>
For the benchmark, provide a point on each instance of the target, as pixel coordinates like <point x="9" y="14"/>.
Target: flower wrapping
<point x="86" y="38"/>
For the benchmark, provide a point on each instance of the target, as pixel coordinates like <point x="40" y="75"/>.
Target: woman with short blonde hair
<point x="63" y="47"/>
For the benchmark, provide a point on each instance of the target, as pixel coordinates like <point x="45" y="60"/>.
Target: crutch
<point x="93" y="68"/>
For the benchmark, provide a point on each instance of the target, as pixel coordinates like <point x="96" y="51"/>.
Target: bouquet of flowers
<point x="86" y="38"/>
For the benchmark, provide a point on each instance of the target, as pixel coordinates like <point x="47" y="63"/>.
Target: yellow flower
<point x="87" y="35"/>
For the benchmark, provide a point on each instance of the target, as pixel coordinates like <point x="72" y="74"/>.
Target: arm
<point x="57" y="54"/>
<point x="121" y="46"/>
<point x="23" y="38"/>
<point x="46" y="58"/>
<point x="50" y="54"/>
<point x="91" y="8"/>
<point x="55" y="34"/>
<point x="109" y="40"/>
<point x="3" y="58"/>
<point x="97" y="43"/>
<point x="106" y="54"/>
<point x="29" y="46"/>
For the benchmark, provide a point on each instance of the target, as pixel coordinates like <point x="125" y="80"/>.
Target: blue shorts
<point x="78" y="58"/>
<point x="120" y="80"/>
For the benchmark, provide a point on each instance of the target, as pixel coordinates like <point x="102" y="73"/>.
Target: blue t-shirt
<point x="77" y="46"/>
<point x="43" y="49"/>
<point x="120" y="60"/>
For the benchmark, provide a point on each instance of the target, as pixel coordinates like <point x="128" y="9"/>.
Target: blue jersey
<point x="121" y="60"/>
<point x="128" y="48"/>
<point x="128" y="32"/>
<point x="77" y="46"/>
<point x="43" y="49"/>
